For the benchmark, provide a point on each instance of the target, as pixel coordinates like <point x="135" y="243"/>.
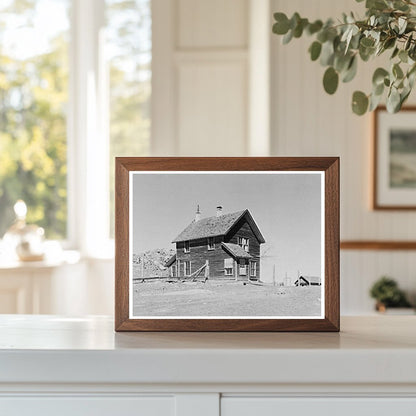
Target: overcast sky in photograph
<point x="286" y="208"/>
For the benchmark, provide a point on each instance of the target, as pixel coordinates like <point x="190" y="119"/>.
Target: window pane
<point x="33" y="100"/>
<point x="129" y="51"/>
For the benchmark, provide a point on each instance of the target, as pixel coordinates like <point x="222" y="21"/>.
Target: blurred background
<point x="83" y="81"/>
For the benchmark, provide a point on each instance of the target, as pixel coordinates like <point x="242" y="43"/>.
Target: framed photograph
<point x="227" y="244"/>
<point x="395" y="159"/>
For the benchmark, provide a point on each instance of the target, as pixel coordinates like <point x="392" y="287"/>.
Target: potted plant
<point x="389" y="27"/>
<point x="387" y="294"/>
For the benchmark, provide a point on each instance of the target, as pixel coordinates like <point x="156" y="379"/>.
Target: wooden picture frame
<point x="131" y="182"/>
<point x="394" y="184"/>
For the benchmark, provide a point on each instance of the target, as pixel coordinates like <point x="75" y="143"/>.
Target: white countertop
<point x="52" y="349"/>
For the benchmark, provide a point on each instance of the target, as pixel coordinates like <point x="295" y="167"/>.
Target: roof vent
<point x="219" y="211"/>
<point x="197" y="214"/>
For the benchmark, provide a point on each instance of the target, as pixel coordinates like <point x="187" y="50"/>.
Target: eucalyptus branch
<point x="388" y="25"/>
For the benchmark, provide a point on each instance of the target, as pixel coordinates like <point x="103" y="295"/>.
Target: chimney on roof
<point x="197" y="214"/>
<point x="219" y="211"/>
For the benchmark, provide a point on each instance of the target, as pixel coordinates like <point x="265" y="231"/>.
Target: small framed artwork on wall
<point x="394" y="178"/>
<point x="227" y="244"/>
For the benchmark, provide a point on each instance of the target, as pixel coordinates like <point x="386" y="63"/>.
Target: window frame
<point x="244" y="243"/>
<point x="88" y="136"/>
<point x="211" y="246"/>
<point x="242" y="266"/>
<point x="185" y="266"/>
<point x="228" y="268"/>
<point x="253" y="263"/>
<point x="187" y="246"/>
<point x="88" y="133"/>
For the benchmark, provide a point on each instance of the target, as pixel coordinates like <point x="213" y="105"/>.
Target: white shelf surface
<point x="53" y="349"/>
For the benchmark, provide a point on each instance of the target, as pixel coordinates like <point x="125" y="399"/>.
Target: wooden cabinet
<point x="88" y="406"/>
<point x="79" y="366"/>
<point x="322" y="406"/>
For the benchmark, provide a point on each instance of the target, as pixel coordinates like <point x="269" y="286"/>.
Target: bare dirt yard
<point x="216" y="298"/>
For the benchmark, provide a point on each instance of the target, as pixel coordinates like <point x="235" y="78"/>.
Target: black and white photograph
<point x="226" y="244"/>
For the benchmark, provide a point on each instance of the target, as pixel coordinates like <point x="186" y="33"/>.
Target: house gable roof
<point x="311" y="279"/>
<point x="236" y="251"/>
<point x="215" y="226"/>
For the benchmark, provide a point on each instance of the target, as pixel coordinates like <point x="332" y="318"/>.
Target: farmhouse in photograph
<point x="222" y="246"/>
<point x="308" y="281"/>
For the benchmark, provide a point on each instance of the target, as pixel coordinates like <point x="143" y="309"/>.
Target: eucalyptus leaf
<point x="411" y="78"/>
<point x="359" y="103"/>
<point x="412" y="52"/>
<point x="393" y="101"/>
<point x="330" y="80"/>
<point x="402" y="22"/>
<point x="379" y="75"/>
<point x="408" y="42"/>
<point x="403" y="56"/>
<point x="395" y="52"/>
<point x="389" y="43"/>
<point x="376" y="4"/>
<point x="397" y="71"/>
<point x="298" y="30"/>
<point x="411" y="71"/>
<point x="374" y="102"/>
<point x="350" y="73"/>
<point x="314" y="27"/>
<point x="327" y="54"/>
<point x="281" y="26"/>
<point x="294" y="20"/>
<point x="378" y="89"/>
<point x="400" y="5"/>
<point x="366" y="53"/>
<point x="342" y="62"/>
<point x="288" y="37"/>
<point x="322" y="36"/>
<point x="315" y="50"/>
<point x="404" y="96"/>
<point x="367" y="42"/>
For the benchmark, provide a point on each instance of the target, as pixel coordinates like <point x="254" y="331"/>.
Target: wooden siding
<point x="243" y="229"/>
<point x="199" y="252"/>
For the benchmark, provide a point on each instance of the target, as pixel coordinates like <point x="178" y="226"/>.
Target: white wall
<point x="202" y="81"/>
<point x="308" y="122"/>
<point x="211" y="92"/>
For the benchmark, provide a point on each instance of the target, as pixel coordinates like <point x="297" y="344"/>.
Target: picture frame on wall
<point x="227" y="244"/>
<point x="394" y="151"/>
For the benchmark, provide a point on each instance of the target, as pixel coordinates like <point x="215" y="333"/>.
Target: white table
<point x="32" y="287"/>
<point x="78" y="366"/>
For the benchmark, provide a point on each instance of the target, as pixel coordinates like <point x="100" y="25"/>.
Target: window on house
<point x="211" y="244"/>
<point x="187" y="268"/>
<point x="244" y="243"/>
<point x="253" y="268"/>
<point x="228" y="267"/>
<point x="243" y="268"/>
<point x="187" y="247"/>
